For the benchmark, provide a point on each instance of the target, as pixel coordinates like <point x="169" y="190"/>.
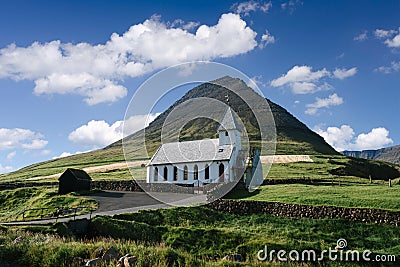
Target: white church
<point x="200" y="162"/>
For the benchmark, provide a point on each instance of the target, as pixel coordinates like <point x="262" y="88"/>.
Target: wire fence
<point x="56" y="213"/>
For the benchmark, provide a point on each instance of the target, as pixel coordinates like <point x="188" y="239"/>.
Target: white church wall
<point x="213" y="173"/>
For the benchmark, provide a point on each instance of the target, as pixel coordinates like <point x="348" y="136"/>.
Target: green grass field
<point x="30" y="201"/>
<point x="375" y="196"/>
<point x="196" y="236"/>
<point x="334" y="167"/>
<point x="138" y="173"/>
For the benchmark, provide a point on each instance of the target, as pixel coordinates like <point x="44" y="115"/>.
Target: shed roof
<point x="191" y="151"/>
<point x="78" y="174"/>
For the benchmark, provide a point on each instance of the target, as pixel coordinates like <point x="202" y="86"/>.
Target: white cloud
<point x="94" y="71"/>
<point x="376" y="138"/>
<point x="361" y="37"/>
<point x="332" y="100"/>
<point x="35" y="144"/>
<point x="339" y="138"/>
<point x="95" y="90"/>
<point x="344" y="138"/>
<point x="394" y="67"/>
<point x="245" y="8"/>
<point x="301" y="79"/>
<point x="382" y="34"/>
<point x="395" y="42"/>
<point x="96" y="134"/>
<point x="21" y="138"/>
<point x="299" y="74"/>
<point x="266" y="39"/>
<point x="99" y="133"/>
<point x="344" y="73"/>
<point x="67" y="154"/>
<point x="5" y="169"/>
<point x="11" y="155"/>
<point x="63" y="155"/>
<point x="392" y="37"/>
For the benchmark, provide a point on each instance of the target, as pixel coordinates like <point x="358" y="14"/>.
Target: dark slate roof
<point x="78" y="174"/>
<point x="229" y="121"/>
<point x="191" y="151"/>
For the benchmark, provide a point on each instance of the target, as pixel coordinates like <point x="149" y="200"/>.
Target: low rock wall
<point x="137" y="186"/>
<point x="249" y="207"/>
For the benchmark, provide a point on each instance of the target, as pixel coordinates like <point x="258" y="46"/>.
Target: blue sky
<point x="68" y="69"/>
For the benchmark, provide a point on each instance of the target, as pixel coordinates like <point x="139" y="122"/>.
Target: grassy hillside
<point x="28" y="202"/>
<point x="94" y="158"/>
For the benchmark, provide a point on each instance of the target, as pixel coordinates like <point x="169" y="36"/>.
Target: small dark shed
<point x="73" y="180"/>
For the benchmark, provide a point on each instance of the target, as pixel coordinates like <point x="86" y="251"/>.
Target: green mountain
<point x="293" y="137"/>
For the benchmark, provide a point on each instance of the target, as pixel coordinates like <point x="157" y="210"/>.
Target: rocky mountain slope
<point x="389" y="154"/>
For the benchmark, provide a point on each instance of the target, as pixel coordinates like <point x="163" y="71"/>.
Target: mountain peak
<point x="293" y="137"/>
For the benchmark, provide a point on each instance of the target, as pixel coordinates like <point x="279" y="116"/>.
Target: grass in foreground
<point x="376" y="196"/>
<point x="13" y="203"/>
<point x="197" y="236"/>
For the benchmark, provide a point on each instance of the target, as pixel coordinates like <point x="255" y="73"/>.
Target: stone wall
<point x="138" y="186"/>
<point x="249" y="207"/>
<point x="7" y="186"/>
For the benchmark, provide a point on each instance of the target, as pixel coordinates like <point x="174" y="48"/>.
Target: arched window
<point x="195" y="172"/>
<point x="221" y="172"/>
<point x="207" y="172"/>
<point x="155" y="174"/>
<point x="175" y="173"/>
<point x="165" y="173"/>
<point x="185" y="173"/>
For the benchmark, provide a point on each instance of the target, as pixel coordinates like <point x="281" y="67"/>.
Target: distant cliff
<point x="389" y="154"/>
